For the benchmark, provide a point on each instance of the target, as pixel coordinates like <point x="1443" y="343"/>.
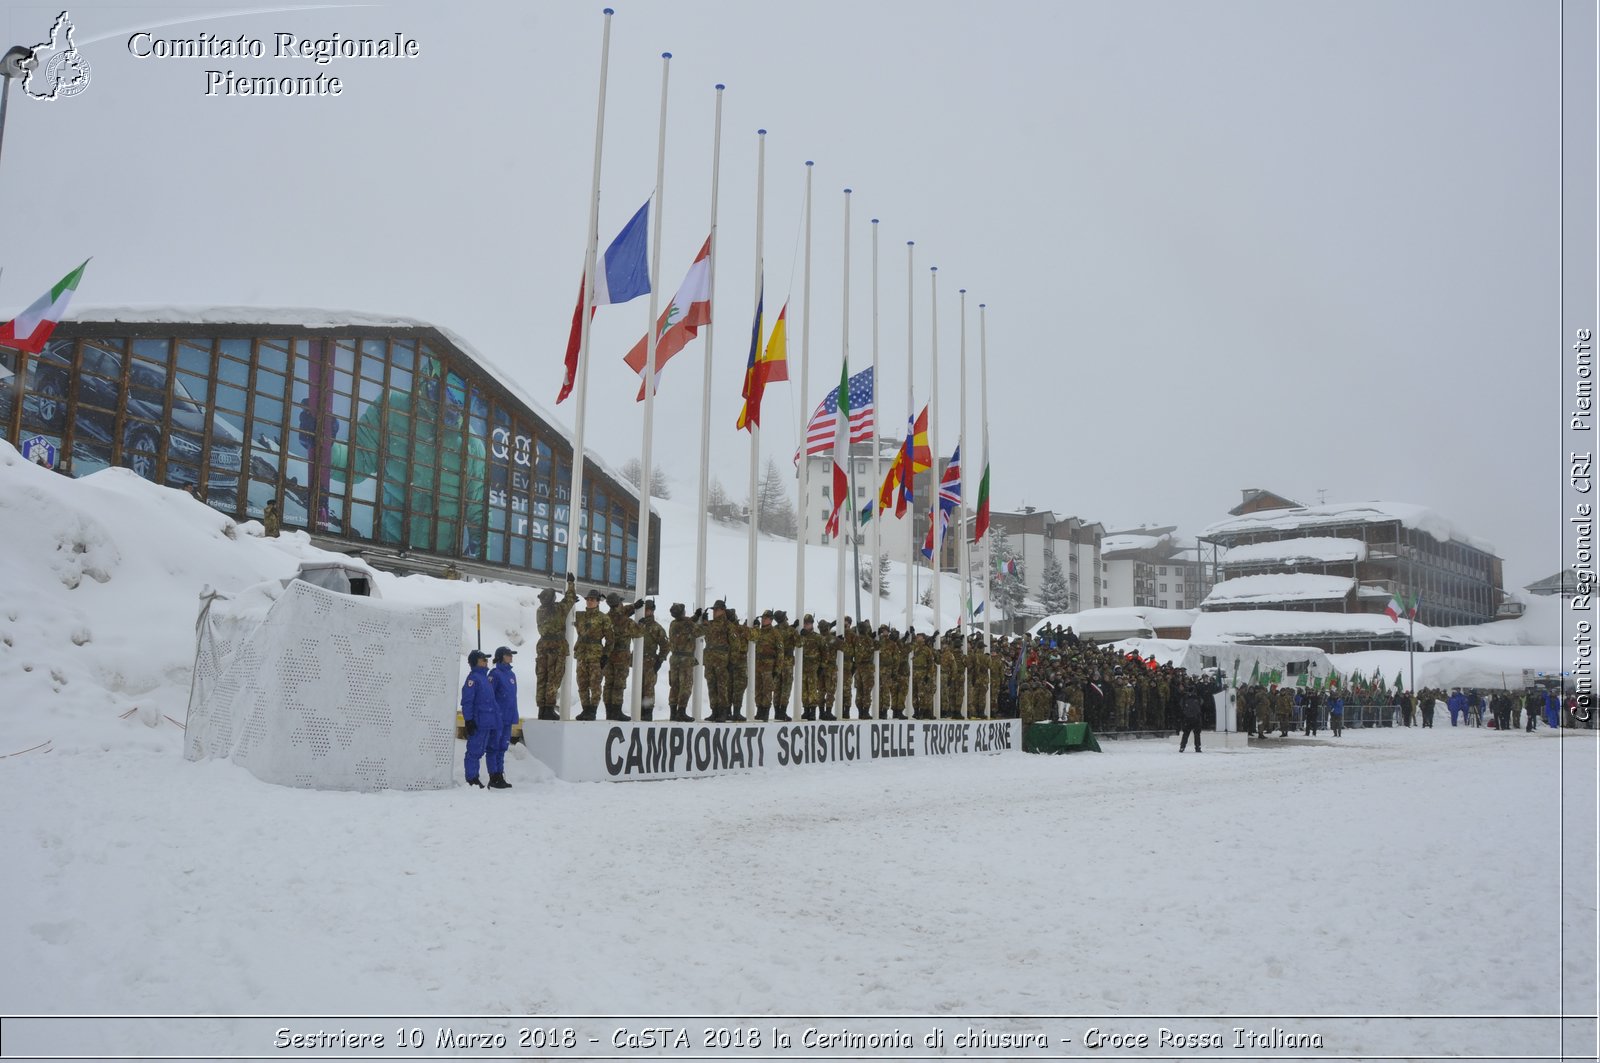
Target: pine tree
<point x="633" y="469"/>
<point x="883" y="575"/>
<point x="718" y="504"/>
<point x="773" y="508"/>
<point x="1054" y="594"/>
<point x="1007" y="589"/>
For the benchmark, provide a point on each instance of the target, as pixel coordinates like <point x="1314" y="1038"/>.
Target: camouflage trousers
<point x="977" y="694"/>
<point x="782" y="684"/>
<point x="950" y="690"/>
<point x="827" y="677"/>
<point x="922" y="694"/>
<point x="680" y="680"/>
<point x="847" y="688"/>
<point x="549" y="662"/>
<point x="589" y="676"/>
<point x="892" y="695"/>
<point x="615" y="690"/>
<point x="738" y="680"/>
<point x="863" y="680"/>
<point x="811" y="688"/>
<point x="716" y="669"/>
<point x="766" y="682"/>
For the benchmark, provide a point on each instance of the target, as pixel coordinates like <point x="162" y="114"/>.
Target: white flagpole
<point x="581" y="384"/>
<point x="755" y="429"/>
<point x="911" y="406"/>
<point x="804" y="530"/>
<point x="988" y="539"/>
<point x="642" y="566"/>
<point x="705" y="404"/>
<point x="934" y="452"/>
<point x="876" y="483"/>
<point x="960" y="522"/>
<point x="842" y="539"/>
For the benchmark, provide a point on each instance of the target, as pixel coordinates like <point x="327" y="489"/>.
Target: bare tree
<point x="773" y="508"/>
<point x="633" y="469"/>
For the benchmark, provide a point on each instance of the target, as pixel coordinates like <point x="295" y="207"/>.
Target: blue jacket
<point x="477" y="699"/>
<point x="1335" y="706"/>
<point x="505" y="692"/>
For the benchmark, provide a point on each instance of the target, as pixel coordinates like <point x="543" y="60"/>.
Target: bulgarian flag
<point x="982" y="523"/>
<point x="29" y="330"/>
<point x="690" y="308"/>
<point x="841" y="450"/>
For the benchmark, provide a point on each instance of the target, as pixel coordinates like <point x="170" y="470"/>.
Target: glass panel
<point x="371" y="391"/>
<point x="141" y="444"/>
<point x="344" y="356"/>
<point x="195" y="356"/>
<point x="361" y="519"/>
<point x="267" y="408"/>
<point x="93" y="436"/>
<point x="231" y="398"/>
<point x="273" y="355"/>
<point x="540" y="561"/>
<point x="10" y="386"/>
<point x="232" y="372"/>
<point x="519" y="552"/>
<point x="402" y="355"/>
<point x="159" y="351"/>
<point x="193" y="388"/>
<point x="236" y="348"/>
<point x="497" y="547"/>
<point x="256" y="501"/>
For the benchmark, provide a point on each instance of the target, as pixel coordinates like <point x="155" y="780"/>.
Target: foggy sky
<point x="1307" y="247"/>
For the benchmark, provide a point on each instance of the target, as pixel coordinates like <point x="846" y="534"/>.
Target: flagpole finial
<point x="810" y="163"/>
<point x="982" y="305"/>
<point x="911" y="243"/>
<point x="761" y="132"/>
<point x="610" y="11"/>
<point x="933" y="269"/>
<point x="666" y="55"/>
<point x="847" y="191"/>
<point x="874" y="221"/>
<point x="961" y="291"/>
<point x="720" y="86"/>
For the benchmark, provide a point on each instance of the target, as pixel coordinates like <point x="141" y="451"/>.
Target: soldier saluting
<point x="550" y="653"/>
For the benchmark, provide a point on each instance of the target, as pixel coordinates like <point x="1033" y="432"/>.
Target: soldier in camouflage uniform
<point x="977" y="679"/>
<point x="952" y="676"/>
<point x="550" y="653"/>
<point x="719" y="636"/>
<point x="847" y="639"/>
<point x="924" y="673"/>
<point x="811" y="653"/>
<point x="766" y="639"/>
<point x="828" y="670"/>
<point x="592" y="626"/>
<point x="785" y="639"/>
<point x="681" y="636"/>
<point x="619" y="655"/>
<point x="865" y="669"/>
<point x="893" y="659"/>
<point x="738" y="666"/>
<point x="655" y="652"/>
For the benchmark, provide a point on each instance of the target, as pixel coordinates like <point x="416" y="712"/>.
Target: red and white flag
<point x="689" y="309"/>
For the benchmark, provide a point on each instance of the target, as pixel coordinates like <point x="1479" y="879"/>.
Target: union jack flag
<point x="949" y="496"/>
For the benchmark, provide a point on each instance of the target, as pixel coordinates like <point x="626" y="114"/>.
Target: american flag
<point x="820" y="432"/>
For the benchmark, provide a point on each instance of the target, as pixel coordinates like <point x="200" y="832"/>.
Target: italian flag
<point x="29" y="330"/>
<point x="982" y="523"/>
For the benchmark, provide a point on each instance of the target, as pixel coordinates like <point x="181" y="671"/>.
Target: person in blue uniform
<point x="505" y="694"/>
<point x="480" y="712"/>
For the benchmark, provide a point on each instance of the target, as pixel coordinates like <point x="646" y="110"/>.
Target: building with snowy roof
<point x="382" y="436"/>
<point x="1076" y="543"/>
<point x="1352" y="558"/>
<point x="1152" y="567"/>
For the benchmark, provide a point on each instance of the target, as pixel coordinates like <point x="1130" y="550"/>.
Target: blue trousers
<point x="486" y="740"/>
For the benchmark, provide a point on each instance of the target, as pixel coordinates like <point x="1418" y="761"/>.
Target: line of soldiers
<point x="916" y="665"/>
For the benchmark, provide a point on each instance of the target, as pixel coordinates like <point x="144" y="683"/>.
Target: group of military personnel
<point x="911" y="669"/>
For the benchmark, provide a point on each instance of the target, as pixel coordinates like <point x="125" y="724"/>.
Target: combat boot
<point x="761" y="714"/>
<point x="827" y="714"/>
<point x="548" y="712"/>
<point x="899" y="714"/>
<point x="782" y="716"/>
<point x="587" y="713"/>
<point x="497" y="781"/>
<point x="737" y="716"/>
<point x="809" y="713"/>
<point x="646" y="712"/>
<point x="616" y="714"/>
<point x="475" y="782"/>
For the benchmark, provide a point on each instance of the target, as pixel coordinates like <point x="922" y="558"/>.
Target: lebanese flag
<point x="689" y="309"/>
<point x="29" y="330"/>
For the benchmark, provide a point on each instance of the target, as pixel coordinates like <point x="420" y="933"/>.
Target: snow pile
<point x="1280" y="587"/>
<point x="1308" y="550"/>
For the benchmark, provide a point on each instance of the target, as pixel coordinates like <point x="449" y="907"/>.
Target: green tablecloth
<point x="1058" y="738"/>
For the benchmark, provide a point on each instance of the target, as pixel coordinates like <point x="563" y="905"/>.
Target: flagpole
<point x="1411" y="646"/>
<point x="842" y="543"/>
<point x="805" y="458"/>
<point x="755" y="429"/>
<point x="988" y="541"/>
<point x="933" y="455"/>
<point x="642" y="566"/>
<point x="963" y="556"/>
<point x="911" y="413"/>
<point x="581" y="384"/>
<point x="877" y="512"/>
<point x="705" y="407"/>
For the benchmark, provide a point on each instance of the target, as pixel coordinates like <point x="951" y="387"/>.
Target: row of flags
<point x="1401" y="605"/>
<point x="846" y="415"/>
<point x="1332" y="681"/>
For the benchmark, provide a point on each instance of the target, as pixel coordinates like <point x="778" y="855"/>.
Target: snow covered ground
<point x="1444" y="872"/>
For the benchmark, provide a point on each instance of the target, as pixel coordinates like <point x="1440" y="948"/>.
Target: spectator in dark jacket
<point x="1190" y="708"/>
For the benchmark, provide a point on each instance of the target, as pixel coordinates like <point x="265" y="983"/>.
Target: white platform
<point x="598" y="751"/>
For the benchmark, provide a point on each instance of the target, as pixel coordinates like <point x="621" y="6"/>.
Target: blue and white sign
<point x="40" y="451"/>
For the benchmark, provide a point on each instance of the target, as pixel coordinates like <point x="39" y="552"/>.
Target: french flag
<point x="621" y="274"/>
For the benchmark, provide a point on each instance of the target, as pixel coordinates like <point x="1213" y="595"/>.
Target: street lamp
<point x="16" y="63"/>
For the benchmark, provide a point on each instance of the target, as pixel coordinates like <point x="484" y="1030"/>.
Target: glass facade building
<point x="388" y="436"/>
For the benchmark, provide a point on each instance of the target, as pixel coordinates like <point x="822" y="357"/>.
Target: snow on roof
<point x="1420" y="518"/>
<point x="1129" y="541"/>
<point x="1481" y="667"/>
<point x="1136" y="620"/>
<point x="1280" y="587"/>
<point x="1309" y="548"/>
<point x="315" y="317"/>
<point x="1247" y="624"/>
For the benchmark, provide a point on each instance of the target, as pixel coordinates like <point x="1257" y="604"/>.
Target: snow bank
<point x="1280" y="587"/>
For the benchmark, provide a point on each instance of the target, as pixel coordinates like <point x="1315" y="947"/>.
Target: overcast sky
<point x="1307" y="247"/>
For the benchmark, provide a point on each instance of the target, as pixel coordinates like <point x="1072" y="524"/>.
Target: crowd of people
<point x="1264" y="709"/>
